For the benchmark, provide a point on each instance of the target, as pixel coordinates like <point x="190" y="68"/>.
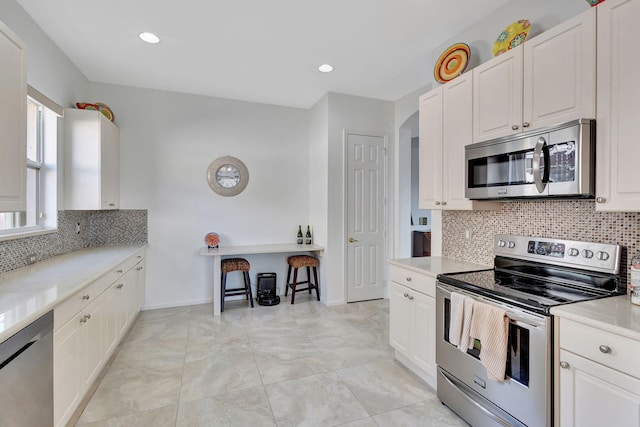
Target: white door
<point x="365" y="216"/>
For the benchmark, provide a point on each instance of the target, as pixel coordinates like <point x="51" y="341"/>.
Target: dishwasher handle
<point x="25" y="338"/>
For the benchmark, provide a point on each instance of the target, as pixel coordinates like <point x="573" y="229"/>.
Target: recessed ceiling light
<point x="325" y="68"/>
<point x="149" y="38"/>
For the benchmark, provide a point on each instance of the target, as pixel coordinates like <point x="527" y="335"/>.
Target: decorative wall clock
<point x="227" y="176"/>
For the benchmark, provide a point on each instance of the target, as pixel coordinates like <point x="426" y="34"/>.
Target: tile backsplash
<point x="571" y="220"/>
<point x="96" y="228"/>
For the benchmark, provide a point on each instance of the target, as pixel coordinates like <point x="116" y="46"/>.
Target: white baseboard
<point x="175" y="304"/>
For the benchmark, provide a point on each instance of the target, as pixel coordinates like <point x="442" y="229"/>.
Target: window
<point x="41" y="182"/>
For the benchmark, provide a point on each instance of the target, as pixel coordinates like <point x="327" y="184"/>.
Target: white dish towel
<point x="490" y="325"/>
<point x="466" y="342"/>
<point x="456" y="318"/>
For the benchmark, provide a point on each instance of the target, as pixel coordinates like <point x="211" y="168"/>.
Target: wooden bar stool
<point x="298" y="261"/>
<point x="235" y="264"/>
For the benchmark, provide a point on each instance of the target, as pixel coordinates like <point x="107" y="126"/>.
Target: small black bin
<point x="266" y="289"/>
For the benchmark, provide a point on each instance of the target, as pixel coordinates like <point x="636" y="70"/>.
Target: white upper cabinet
<point x="497" y="96"/>
<point x="548" y="80"/>
<point x="430" y="163"/>
<point x="91" y="161"/>
<point x="560" y="73"/>
<point x="445" y="128"/>
<point x="617" y="147"/>
<point x="13" y="122"/>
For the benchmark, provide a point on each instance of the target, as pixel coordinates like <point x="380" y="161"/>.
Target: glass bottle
<point x="307" y="239"/>
<point x="300" y="239"/>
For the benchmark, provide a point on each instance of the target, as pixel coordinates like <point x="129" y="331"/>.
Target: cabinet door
<point x="430" y="185"/>
<point x="92" y="338"/>
<point x="142" y="282"/>
<point x="112" y="319"/>
<point x="67" y="350"/>
<point x="560" y="73"/>
<point x="130" y="296"/>
<point x="497" y="96"/>
<point x="110" y="165"/>
<point x="457" y="132"/>
<point x="592" y="395"/>
<point x="13" y="122"/>
<point x="400" y="319"/>
<point x="618" y="101"/>
<point x="423" y="334"/>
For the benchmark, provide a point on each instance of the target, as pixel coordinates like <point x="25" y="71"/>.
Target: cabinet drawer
<point x="586" y="341"/>
<point x="78" y="301"/>
<point x="416" y="281"/>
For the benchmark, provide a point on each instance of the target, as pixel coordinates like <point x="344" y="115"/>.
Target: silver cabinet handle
<point x="564" y="365"/>
<point x="410" y="297"/>
<point x="437" y="203"/>
<point x="605" y="349"/>
<point x="525" y="125"/>
<point x="139" y="257"/>
<point x="444" y="203"/>
<point x="515" y="127"/>
<point x="83" y="319"/>
<point x="118" y="271"/>
<point x="112" y="204"/>
<point x="408" y="279"/>
<point x="139" y="268"/>
<point x="85" y="297"/>
<point x="119" y="286"/>
<point x="600" y="200"/>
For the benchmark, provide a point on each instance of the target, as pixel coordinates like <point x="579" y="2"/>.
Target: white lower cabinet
<point x="593" y="395"/>
<point x="413" y="321"/>
<point x="598" y="378"/>
<point x="88" y="328"/>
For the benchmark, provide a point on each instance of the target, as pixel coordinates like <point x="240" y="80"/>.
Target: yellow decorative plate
<point x="512" y="36"/>
<point x="452" y="62"/>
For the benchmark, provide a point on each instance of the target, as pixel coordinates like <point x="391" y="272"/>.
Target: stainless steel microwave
<point x="558" y="161"/>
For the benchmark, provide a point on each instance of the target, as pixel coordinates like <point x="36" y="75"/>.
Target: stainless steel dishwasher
<point x="26" y="376"/>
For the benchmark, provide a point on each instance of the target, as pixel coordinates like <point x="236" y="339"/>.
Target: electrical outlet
<point x="467" y="234"/>
<point x="31" y="259"/>
<point x="77" y="228"/>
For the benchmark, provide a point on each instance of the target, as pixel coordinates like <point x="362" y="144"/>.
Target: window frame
<point x="45" y="166"/>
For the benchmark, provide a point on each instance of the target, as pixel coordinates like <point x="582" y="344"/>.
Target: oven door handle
<point x="469" y="399"/>
<point x="541" y="149"/>
<point x="516" y="316"/>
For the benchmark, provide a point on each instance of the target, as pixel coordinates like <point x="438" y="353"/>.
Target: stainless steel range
<point x="530" y="276"/>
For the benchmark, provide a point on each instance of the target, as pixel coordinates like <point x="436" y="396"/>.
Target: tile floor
<point x="286" y="365"/>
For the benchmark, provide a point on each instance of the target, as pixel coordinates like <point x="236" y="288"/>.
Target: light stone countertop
<point x="616" y="315"/>
<point x="29" y="292"/>
<point x="437" y="265"/>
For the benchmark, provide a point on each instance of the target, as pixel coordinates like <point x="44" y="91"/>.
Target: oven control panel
<point x="587" y="255"/>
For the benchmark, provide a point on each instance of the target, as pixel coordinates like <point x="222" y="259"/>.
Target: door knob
<point x="351" y="240"/>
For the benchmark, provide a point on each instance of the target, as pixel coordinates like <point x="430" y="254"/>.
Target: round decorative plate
<point x="104" y="109"/>
<point x="512" y="36"/>
<point x="212" y="240"/>
<point x="86" y="106"/>
<point x="452" y="62"/>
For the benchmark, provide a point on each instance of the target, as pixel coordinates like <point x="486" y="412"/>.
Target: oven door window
<point x="503" y="169"/>
<point x="518" y="348"/>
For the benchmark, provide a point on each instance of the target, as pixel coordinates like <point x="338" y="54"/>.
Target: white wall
<point x="350" y="113"/>
<point x="319" y="181"/>
<point x="48" y="69"/>
<point x="167" y="142"/>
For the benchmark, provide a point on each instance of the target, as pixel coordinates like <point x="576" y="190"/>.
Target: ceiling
<point x="256" y="50"/>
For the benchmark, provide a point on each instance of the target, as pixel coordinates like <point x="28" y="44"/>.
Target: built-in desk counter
<point x="230" y="251"/>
